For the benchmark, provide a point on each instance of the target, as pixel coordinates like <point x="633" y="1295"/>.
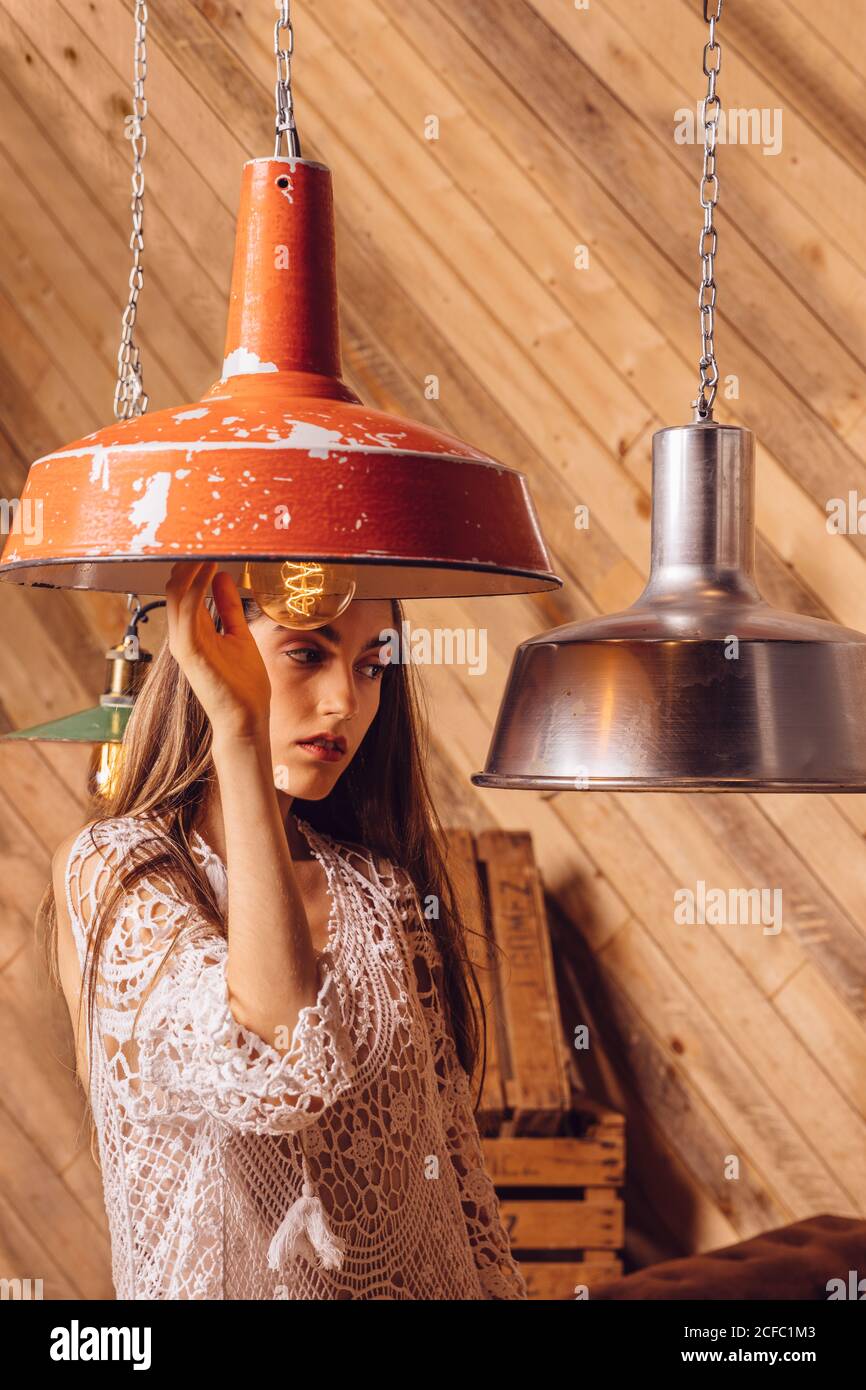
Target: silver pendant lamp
<point x="700" y="685"/>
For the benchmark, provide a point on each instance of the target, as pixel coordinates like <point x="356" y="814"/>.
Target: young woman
<point x="259" y="946"/>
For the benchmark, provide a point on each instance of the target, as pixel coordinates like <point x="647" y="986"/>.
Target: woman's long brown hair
<point x="382" y="802"/>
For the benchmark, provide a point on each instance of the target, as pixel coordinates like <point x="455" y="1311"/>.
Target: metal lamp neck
<point x="283" y="313"/>
<point x="703" y="511"/>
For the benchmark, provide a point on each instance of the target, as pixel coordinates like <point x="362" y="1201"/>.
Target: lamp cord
<point x="285" y="121"/>
<point x="129" y="395"/>
<point x="710" y="112"/>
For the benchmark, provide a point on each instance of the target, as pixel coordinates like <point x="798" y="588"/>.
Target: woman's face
<point x="325" y="681"/>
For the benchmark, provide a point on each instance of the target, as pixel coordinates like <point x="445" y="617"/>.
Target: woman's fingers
<point x="191" y="602"/>
<point x="225" y="670"/>
<point x="178" y="581"/>
<point x="182" y="574"/>
<point x="184" y="593"/>
<point x="194" y="592"/>
<point x="229" y="606"/>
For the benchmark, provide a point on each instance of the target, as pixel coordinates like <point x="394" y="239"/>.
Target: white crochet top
<point x="347" y="1167"/>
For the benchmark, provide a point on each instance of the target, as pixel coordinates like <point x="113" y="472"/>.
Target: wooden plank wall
<point x="457" y="258"/>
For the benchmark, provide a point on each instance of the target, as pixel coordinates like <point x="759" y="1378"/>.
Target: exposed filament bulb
<point x="299" y="593"/>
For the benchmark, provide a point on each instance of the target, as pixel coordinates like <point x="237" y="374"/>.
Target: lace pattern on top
<point x="349" y="1166"/>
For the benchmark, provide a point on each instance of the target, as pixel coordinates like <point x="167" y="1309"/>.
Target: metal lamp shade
<point x="106" y="722"/>
<point x="280" y="460"/>
<point x="102" y="724"/>
<point x="700" y="685"/>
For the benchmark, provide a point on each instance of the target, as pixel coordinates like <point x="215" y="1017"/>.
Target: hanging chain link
<point x="710" y="112"/>
<point x="129" y="395"/>
<point x="285" y="123"/>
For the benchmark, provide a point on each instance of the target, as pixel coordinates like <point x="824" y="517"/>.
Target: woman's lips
<point x="324" y="754"/>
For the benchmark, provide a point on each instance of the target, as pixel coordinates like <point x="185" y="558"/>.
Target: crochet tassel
<point x="304" y="1231"/>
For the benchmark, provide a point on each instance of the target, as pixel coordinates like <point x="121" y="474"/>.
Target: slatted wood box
<point x="556" y="1157"/>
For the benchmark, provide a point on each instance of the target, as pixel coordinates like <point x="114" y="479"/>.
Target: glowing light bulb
<point x="300" y="593"/>
<point x="105" y="769"/>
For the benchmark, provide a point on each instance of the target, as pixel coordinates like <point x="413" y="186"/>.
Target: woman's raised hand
<point x="225" y="669"/>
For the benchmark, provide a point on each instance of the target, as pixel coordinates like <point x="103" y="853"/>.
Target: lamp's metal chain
<point x="285" y="123"/>
<point x="710" y="113"/>
<point x="129" y="395"/>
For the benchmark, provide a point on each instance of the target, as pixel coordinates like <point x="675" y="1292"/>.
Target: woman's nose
<point x="338" y="695"/>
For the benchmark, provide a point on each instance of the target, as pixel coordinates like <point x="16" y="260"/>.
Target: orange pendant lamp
<point x="279" y="472"/>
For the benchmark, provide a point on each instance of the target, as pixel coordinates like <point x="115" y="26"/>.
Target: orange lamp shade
<point x="280" y="459"/>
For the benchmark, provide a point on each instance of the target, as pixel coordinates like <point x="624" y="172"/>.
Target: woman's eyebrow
<point x="325" y="631"/>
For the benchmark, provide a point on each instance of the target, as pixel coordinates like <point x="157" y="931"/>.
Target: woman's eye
<point x="309" y="656"/>
<point x="296" y="653"/>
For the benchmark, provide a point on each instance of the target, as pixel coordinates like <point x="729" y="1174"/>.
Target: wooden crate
<point x="557" y="1158"/>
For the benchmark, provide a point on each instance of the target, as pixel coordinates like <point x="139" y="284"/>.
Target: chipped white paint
<point x="182" y="472"/>
<point x="385" y="439"/>
<point x="198" y="414"/>
<point x="99" y="471"/>
<point x="291" y="159"/>
<point x="243" y="362"/>
<point x="198" y="446"/>
<point x="232" y="419"/>
<point x="150" y="510"/>
<point x="316" y="439"/>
